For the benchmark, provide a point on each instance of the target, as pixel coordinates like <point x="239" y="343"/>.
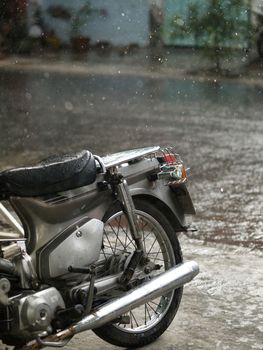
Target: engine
<point x="30" y="313"/>
<point x="28" y="308"/>
<point x="24" y="311"/>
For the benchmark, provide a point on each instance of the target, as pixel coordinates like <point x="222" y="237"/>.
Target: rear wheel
<point x="147" y="322"/>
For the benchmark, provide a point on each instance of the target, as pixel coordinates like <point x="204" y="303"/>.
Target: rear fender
<point x="168" y="201"/>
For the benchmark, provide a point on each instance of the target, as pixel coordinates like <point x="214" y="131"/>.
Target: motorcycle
<point x="96" y="249"/>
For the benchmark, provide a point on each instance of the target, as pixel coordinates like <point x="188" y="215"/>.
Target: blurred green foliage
<point x="219" y="27"/>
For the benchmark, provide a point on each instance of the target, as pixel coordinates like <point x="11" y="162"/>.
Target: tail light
<point x="169" y="158"/>
<point x="172" y="167"/>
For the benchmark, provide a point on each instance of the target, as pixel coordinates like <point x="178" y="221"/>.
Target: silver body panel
<point x="78" y="247"/>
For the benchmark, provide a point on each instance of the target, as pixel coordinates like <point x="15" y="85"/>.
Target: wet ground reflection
<point x="217" y="128"/>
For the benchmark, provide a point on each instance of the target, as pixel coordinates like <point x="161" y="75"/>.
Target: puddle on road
<point x="217" y="127"/>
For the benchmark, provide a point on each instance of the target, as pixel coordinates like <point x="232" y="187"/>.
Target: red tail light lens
<point x="169" y="158"/>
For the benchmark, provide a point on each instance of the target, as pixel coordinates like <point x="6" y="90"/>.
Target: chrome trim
<point x="11" y="220"/>
<point x="127" y="156"/>
<point x="10" y="237"/>
<point x="53" y="344"/>
<point x="102" y="285"/>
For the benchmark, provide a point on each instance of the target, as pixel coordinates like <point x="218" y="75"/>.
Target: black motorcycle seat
<point x="55" y="174"/>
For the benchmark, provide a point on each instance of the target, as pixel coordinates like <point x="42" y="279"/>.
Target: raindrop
<point x="221" y="190"/>
<point x="68" y="106"/>
<point x="28" y="96"/>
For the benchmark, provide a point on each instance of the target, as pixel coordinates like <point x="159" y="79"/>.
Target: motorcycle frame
<point x="44" y="217"/>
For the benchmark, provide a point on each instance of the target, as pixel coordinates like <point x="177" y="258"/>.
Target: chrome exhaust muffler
<point x="172" y="279"/>
<point x="165" y="282"/>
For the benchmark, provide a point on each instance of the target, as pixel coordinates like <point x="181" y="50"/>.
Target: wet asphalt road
<point x="220" y="310"/>
<point x="216" y="126"/>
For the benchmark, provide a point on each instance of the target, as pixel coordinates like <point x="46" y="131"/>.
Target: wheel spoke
<point x="127" y="237"/>
<point x="143" y="235"/>
<point x="131" y="320"/>
<point x="153" y="302"/>
<point x="162" y="260"/>
<point x="154" y="310"/>
<point x="123" y="230"/>
<point x="149" y="233"/>
<point x="154" y="259"/>
<point x="132" y="316"/>
<point x="117" y="237"/>
<point x="130" y="241"/>
<point x="151" y="247"/>
<point x="109" y="243"/>
<point x="117" y="249"/>
<point x="158" y="259"/>
<point x="148" y="312"/>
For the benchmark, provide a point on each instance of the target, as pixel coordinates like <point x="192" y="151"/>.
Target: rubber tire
<point x="117" y="337"/>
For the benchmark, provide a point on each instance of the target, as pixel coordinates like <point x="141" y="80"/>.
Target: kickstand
<point x="90" y="294"/>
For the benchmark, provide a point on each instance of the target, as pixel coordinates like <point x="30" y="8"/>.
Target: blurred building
<point x="117" y="22"/>
<point x="112" y="22"/>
